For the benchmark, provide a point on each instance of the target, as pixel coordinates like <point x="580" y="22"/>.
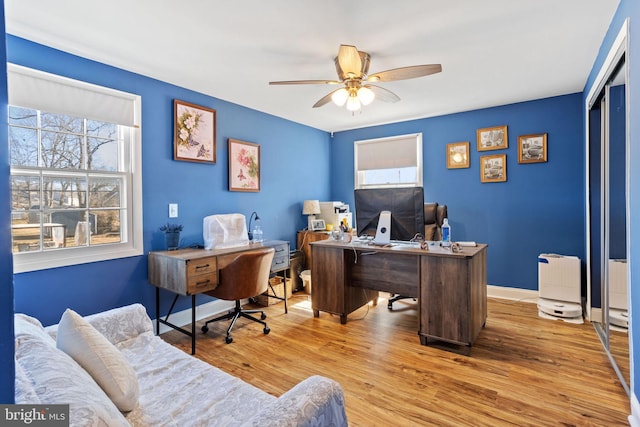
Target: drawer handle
<point x="198" y="267"/>
<point x="279" y="249"/>
<point x="202" y="283"/>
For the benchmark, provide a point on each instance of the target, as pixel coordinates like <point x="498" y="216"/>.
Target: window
<point x="389" y="162"/>
<point x="75" y="171"/>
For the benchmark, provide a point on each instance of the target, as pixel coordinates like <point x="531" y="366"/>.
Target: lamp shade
<point x="311" y="207"/>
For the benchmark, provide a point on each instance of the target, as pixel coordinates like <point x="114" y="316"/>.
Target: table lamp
<point x="311" y="208"/>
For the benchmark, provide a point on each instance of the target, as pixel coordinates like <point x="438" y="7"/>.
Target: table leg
<point x="157" y="311"/>
<point x="284" y="285"/>
<point x="193" y="324"/>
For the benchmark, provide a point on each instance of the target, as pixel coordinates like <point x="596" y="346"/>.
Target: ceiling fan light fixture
<point x="366" y="95"/>
<point x="353" y="103"/>
<point x="340" y="96"/>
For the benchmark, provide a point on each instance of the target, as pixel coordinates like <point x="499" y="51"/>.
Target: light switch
<point x="173" y="210"/>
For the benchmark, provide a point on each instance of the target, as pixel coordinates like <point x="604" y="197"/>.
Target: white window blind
<point x="48" y="92"/>
<point x="388" y="162"/>
<point x="387" y="153"/>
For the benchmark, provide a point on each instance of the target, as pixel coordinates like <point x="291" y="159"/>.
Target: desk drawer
<point x="201" y="266"/>
<point x="201" y="283"/>
<point x="280" y="258"/>
<point x="202" y="275"/>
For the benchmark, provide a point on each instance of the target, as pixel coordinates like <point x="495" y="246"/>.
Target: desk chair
<point x="244" y="277"/>
<point x="434" y="216"/>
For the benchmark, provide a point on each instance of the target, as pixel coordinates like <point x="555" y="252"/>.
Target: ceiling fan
<point x="352" y="66"/>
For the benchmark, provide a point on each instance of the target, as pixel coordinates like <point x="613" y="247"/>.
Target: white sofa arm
<point x="315" y="402"/>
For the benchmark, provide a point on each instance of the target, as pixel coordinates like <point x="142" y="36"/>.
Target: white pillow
<point x="101" y="359"/>
<point x="55" y="378"/>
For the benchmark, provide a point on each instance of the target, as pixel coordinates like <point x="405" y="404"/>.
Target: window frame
<point x="360" y="174"/>
<point x="131" y="229"/>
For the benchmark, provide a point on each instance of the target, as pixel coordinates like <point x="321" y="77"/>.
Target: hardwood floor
<point x="523" y="370"/>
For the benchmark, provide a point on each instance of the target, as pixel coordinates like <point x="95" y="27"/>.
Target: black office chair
<point x="246" y="276"/>
<point x="434" y="216"/>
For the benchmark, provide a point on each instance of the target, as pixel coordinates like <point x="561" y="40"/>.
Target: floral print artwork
<point x="195" y="133"/>
<point x="244" y="166"/>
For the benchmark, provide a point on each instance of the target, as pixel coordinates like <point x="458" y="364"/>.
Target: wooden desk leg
<point x="193" y="324"/>
<point x="316" y="313"/>
<point x="343" y="319"/>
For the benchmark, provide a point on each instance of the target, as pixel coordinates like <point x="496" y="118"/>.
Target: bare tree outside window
<point x="66" y="181"/>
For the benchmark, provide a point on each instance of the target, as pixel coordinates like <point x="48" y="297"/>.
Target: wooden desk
<point x="188" y="272"/>
<point x="451" y="287"/>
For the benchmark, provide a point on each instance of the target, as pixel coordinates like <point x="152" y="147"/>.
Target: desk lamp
<point x="253" y="214"/>
<point x="311" y="208"/>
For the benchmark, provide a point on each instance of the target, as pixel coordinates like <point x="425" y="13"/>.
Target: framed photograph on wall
<point x="195" y="132"/>
<point x="494" y="138"/>
<point x="532" y="148"/>
<point x="493" y="168"/>
<point x="244" y="166"/>
<point x="458" y="155"/>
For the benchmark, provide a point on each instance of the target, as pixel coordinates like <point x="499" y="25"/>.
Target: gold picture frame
<point x="194" y="132"/>
<point x="458" y="155"/>
<point x="244" y="166"/>
<point x="532" y="148"/>
<point x="493" y="168"/>
<point x="493" y="138"/>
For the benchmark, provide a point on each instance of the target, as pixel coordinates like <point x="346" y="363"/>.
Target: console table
<point x="451" y="287"/>
<point x="188" y="272"/>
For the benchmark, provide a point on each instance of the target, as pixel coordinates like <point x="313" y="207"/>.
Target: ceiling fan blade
<point x="382" y="94"/>
<point x="306" y="82"/>
<point x="405" y="73"/>
<point x="349" y="60"/>
<point x="325" y="99"/>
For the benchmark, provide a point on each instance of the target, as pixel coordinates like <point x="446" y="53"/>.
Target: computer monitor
<point x="406" y="205"/>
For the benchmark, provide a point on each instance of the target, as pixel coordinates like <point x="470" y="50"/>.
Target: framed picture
<point x="244" y="166"/>
<point x="195" y="133"/>
<point x="318" y="225"/>
<point x="532" y="148"/>
<point x="458" y="155"/>
<point x="493" y="168"/>
<point x="494" y="138"/>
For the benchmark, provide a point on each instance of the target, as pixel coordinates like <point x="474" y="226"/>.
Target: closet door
<point x="608" y="219"/>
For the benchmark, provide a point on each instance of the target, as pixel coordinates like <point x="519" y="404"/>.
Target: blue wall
<point x="7" y="369"/>
<point x="288" y="176"/>
<point x="540" y="209"/>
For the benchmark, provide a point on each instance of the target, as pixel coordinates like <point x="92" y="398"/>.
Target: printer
<point x="334" y="213"/>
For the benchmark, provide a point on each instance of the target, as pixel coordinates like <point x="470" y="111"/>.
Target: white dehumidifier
<point x="559" y="286"/>
<point x="618" y="302"/>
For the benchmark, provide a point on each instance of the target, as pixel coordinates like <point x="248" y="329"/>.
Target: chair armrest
<point x="316" y="401"/>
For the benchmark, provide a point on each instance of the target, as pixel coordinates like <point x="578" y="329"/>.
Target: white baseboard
<point x="523" y="295"/>
<point x="209" y="309"/>
<point x="634" y="418"/>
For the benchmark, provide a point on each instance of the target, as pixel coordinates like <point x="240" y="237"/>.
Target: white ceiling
<point x="493" y="52"/>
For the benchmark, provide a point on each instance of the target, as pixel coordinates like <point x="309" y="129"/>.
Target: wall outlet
<point x="173" y="210"/>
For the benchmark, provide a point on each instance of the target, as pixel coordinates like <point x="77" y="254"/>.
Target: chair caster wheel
<point x="204" y="329"/>
<point x="228" y="339"/>
<point x="266" y="330"/>
<point x="390" y="306"/>
<point x="263" y="316"/>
